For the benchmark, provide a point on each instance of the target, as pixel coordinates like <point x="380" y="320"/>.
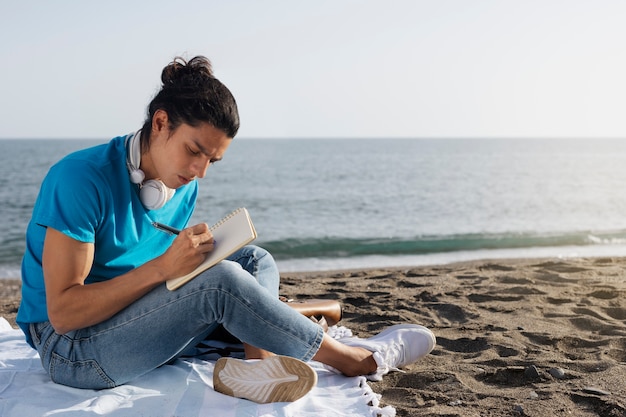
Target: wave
<point x="334" y="247"/>
<point x="338" y="253"/>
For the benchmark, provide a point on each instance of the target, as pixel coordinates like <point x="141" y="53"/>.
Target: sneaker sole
<point x="275" y="379"/>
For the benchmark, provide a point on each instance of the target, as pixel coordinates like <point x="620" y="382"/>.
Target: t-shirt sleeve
<point x="70" y="200"/>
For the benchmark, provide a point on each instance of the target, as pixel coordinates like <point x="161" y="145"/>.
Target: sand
<point x="533" y="337"/>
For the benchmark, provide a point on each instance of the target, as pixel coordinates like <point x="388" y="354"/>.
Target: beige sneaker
<point x="275" y="379"/>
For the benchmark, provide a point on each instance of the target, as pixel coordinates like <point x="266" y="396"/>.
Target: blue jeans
<point x="241" y="294"/>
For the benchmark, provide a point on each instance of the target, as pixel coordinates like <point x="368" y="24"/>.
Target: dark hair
<point x="191" y="94"/>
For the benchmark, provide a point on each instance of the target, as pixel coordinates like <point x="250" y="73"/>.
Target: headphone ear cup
<point x="154" y="194"/>
<point x="137" y="176"/>
<point x="170" y="192"/>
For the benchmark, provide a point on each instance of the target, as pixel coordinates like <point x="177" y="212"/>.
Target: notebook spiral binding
<point x="225" y="219"/>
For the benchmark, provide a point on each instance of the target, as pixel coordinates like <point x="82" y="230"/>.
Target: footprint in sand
<point x="605" y="294"/>
<point x="618" y="313"/>
<point x="464" y="344"/>
<point x="449" y="313"/>
<point x="560" y="267"/>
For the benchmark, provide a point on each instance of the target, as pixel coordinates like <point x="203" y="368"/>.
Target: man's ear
<point x="160" y="121"/>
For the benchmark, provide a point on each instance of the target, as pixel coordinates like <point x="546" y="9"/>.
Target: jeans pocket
<point x="85" y="374"/>
<point x="35" y="331"/>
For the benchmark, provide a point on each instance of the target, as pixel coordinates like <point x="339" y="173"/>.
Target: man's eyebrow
<point x="204" y="151"/>
<point x="199" y="145"/>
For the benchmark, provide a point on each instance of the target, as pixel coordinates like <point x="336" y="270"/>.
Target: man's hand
<point x="187" y="251"/>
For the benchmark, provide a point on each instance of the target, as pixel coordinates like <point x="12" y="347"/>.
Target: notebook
<point x="231" y="234"/>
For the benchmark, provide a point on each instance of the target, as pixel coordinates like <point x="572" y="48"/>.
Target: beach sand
<point x="532" y="337"/>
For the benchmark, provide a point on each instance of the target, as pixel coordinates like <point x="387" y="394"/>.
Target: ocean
<point x="321" y="204"/>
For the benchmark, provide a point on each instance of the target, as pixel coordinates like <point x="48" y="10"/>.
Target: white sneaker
<point x="275" y="379"/>
<point x="396" y="346"/>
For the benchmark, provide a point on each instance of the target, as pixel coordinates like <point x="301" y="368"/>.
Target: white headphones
<point x="152" y="193"/>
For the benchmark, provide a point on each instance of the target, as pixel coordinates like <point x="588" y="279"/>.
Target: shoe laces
<point x="390" y="356"/>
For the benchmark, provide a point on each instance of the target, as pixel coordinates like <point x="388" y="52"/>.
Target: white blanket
<point x="184" y="389"/>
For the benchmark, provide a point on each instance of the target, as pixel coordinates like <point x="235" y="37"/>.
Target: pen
<point x="166" y="228"/>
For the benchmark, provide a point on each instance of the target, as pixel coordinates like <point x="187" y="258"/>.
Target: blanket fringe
<point x="339" y="332"/>
<point x="371" y="398"/>
<point x="373" y="401"/>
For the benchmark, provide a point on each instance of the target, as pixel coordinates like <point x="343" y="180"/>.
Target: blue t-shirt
<point x="89" y="197"/>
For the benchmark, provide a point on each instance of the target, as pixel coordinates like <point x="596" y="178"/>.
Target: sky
<point x="324" y="68"/>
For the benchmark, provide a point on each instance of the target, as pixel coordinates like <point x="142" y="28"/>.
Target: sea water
<point x="352" y="203"/>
